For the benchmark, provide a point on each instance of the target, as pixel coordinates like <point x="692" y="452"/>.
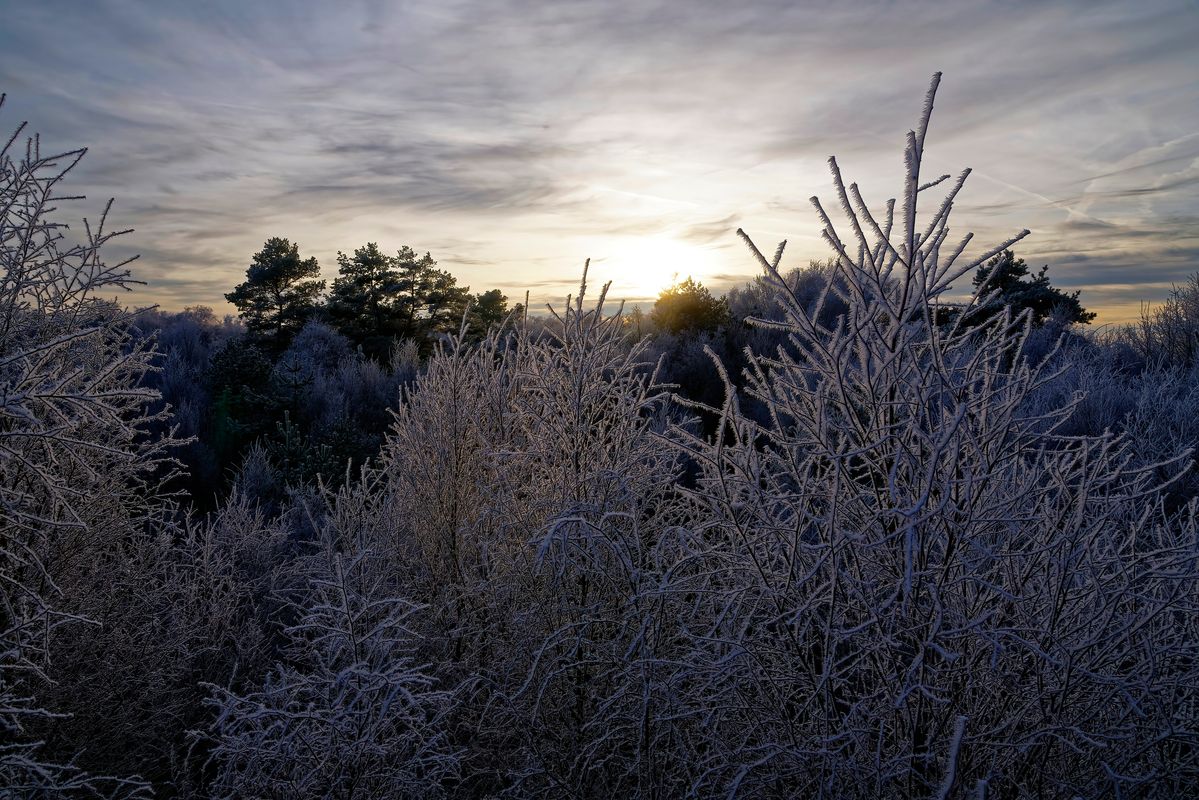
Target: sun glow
<point x="641" y="267"/>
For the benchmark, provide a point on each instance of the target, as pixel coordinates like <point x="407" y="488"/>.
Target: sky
<point x="513" y="139"/>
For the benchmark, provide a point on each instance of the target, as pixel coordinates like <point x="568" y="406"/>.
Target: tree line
<point x="307" y="386"/>
<point x="304" y="381"/>
<point x="376" y="300"/>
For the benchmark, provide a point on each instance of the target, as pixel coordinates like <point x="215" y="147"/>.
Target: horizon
<point x="513" y="141"/>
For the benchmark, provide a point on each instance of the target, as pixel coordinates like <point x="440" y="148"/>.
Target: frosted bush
<point x="598" y="485"/>
<point x="915" y="587"/>
<point x="351" y="714"/>
<point x="1169" y="333"/>
<point x="76" y="466"/>
<point x="528" y="481"/>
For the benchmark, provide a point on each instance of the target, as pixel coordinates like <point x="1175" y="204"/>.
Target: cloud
<point x="516" y="137"/>
<point x="1174" y="159"/>
<point x="709" y="232"/>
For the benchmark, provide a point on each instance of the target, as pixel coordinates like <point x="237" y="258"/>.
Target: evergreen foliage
<point x="378" y="299"/>
<point x="430" y="299"/>
<point x="364" y="302"/>
<point x="1009" y="281"/>
<point x="487" y="310"/>
<point x="689" y="306"/>
<point x="280" y="293"/>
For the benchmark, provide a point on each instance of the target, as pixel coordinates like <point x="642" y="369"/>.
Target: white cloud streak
<point x="510" y="138"/>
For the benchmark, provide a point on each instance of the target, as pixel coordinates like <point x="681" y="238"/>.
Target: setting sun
<point x="641" y="267"/>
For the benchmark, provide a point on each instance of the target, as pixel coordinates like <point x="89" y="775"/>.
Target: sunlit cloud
<point x="515" y="139"/>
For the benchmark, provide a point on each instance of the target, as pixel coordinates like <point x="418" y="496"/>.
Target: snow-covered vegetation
<point x="842" y="538"/>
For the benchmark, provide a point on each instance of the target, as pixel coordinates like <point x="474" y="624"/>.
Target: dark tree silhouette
<point x="378" y="298"/>
<point x="365" y="302"/>
<point x="431" y="299"/>
<point x="689" y="306"/>
<point x="280" y="293"/>
<point x="1009" y="278"/>
<point x="489" y="308"/>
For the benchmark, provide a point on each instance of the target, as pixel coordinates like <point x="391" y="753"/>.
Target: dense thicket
<point x="841" y="537"/>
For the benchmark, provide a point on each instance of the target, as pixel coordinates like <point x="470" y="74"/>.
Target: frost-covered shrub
<point x="442" y="528"/>
<point x="77" y="468"/>
<point x="186" y="342"/>
<point x="1168" y="335"/>
<point x="351" y="713"/>
<point x="528" y="480"/>
<point x="438" y="458"/>
<point x="1156" y="408"/>
<point x="193" y="603"/>
<point x="1164" y="422"/>
<point x="589" y="485"/>
<point x="372" y="391"/>
<point x="319" y="348"/>
<point x="913" y="586"/>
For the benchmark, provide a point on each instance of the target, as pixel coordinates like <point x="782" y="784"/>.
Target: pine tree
<point x="280" y="293"/>
<point x="1007" y="278"/>
<point x="689" y="306"/>
<point x="430" y="300"/>
<point x="364" y="300"/>
<point x="489" y="308"/>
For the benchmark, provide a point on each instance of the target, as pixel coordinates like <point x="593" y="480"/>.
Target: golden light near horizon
<point x="641" y="267"/>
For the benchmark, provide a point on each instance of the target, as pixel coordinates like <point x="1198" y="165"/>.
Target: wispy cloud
<point x="515" y="138"/>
